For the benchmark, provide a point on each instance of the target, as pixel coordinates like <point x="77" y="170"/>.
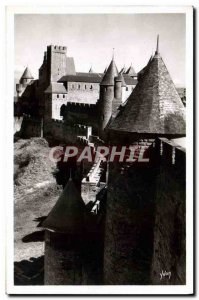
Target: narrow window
<point x="127" y="88"/>
<point x="91" y="87"/>
<point x="57" y="96"/>
<point x="79" y="86"/>
<point x="85" y="86"/>
<point x="63" y="96"/>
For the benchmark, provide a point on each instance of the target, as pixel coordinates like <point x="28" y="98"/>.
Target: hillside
<point x="35" y="192"/>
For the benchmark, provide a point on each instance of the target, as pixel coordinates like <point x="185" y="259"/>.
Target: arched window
<point x="127" y="89"/>
<point x="85" y="86"/>
<point x="91" y="87"/>
<point x="57" y="96"/>
<point x="79" y="86"/>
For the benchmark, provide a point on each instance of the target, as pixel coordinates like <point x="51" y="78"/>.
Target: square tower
<point x="56" y="62"/>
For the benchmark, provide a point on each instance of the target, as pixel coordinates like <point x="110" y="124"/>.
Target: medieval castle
<point x="114" y="223"/>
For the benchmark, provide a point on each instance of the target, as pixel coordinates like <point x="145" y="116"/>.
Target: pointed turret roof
<point x="154" y="106"/>
<point x="123" y="70"/>
<point x="27" y="74"/>
<point x="141" y="72"/>
<point x="131" y="71"/>
<point x="68" y="213"/>
<point x="110" y="74"/>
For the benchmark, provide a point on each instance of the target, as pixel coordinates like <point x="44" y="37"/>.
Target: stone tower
<point x="64" y="239"/>
<point x="119" y="91"/>
<point x="24" y="81"/>
<point x="131" y="72"/>
<point x="106" y="97"/>
<point x="56" y="62"/>
<point x="153" y="110"/>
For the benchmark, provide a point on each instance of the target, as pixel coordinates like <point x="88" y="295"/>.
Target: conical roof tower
<point x="67" y="216"/>
<point x="154" y="107"/>
<point x="131" y="71"/>
<point x="26" y="74"/>
<point x="110" y="74"/>
<point x="123" y="70"/>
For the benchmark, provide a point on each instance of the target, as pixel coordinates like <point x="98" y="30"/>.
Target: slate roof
<point x="154" y="106"/>
<point x="129" y="80"/>
<point x="123" y="70"/>
<point x="94" y="78"/>
<point x="67" y="215"/>
<point x="28" y="92"/>
<point x="110" y="74"/>
<point x="131" y="71"/>
<point x="82" y="77"/>
<point x="56" y="88"/>
<point x="141" y="72"/>
<point x="27" y="74"/>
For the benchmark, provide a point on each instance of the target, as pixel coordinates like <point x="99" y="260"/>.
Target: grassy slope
<point x="36" y="192"/>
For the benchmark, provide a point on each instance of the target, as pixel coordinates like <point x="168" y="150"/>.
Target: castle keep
<point x="120" y="223"/>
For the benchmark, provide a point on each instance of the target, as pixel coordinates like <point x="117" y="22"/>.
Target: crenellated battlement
<point x="56" y="47"/>
<point x="171" y="153"/>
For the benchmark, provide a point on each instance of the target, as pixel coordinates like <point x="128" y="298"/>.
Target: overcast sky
<point x="91" y="38"/>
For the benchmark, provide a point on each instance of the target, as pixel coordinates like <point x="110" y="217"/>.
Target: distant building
<point x="59" y="84"/>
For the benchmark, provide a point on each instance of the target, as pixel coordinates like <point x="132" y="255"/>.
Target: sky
<point x="90" y="39"/>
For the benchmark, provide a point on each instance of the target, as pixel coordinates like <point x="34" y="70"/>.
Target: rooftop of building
<point x="67" y="216"/>
<point x="82" y="77"/>
<point x="27" y="74"/>
<point x="56" y="88"/>
<point x="131" y="71"/>
<point x="110" y="74"/>
<point x="154" y="106"/>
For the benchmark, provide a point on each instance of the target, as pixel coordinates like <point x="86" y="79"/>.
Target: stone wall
<point x="170" y="222"/>
<point x="63" y="263"/>
<point x="145" y="219"/>
<point x="30" y="127"/>
<point x="129" y="225"/>
<point x="85" y="114"/>
<point x="83" y="92"/>
<point x="73" y="259"/>
<point x="60" y="131"/>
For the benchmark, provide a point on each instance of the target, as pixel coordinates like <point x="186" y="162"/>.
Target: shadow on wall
<point x="37" y="236"/>
<point x="29" y="272"/>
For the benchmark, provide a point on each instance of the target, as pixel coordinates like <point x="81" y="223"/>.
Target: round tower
<point x="26" y="77"/>
<point x="63" y="264"/>
<point x="106" y="97"/>
<point x="119" y="84"/>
